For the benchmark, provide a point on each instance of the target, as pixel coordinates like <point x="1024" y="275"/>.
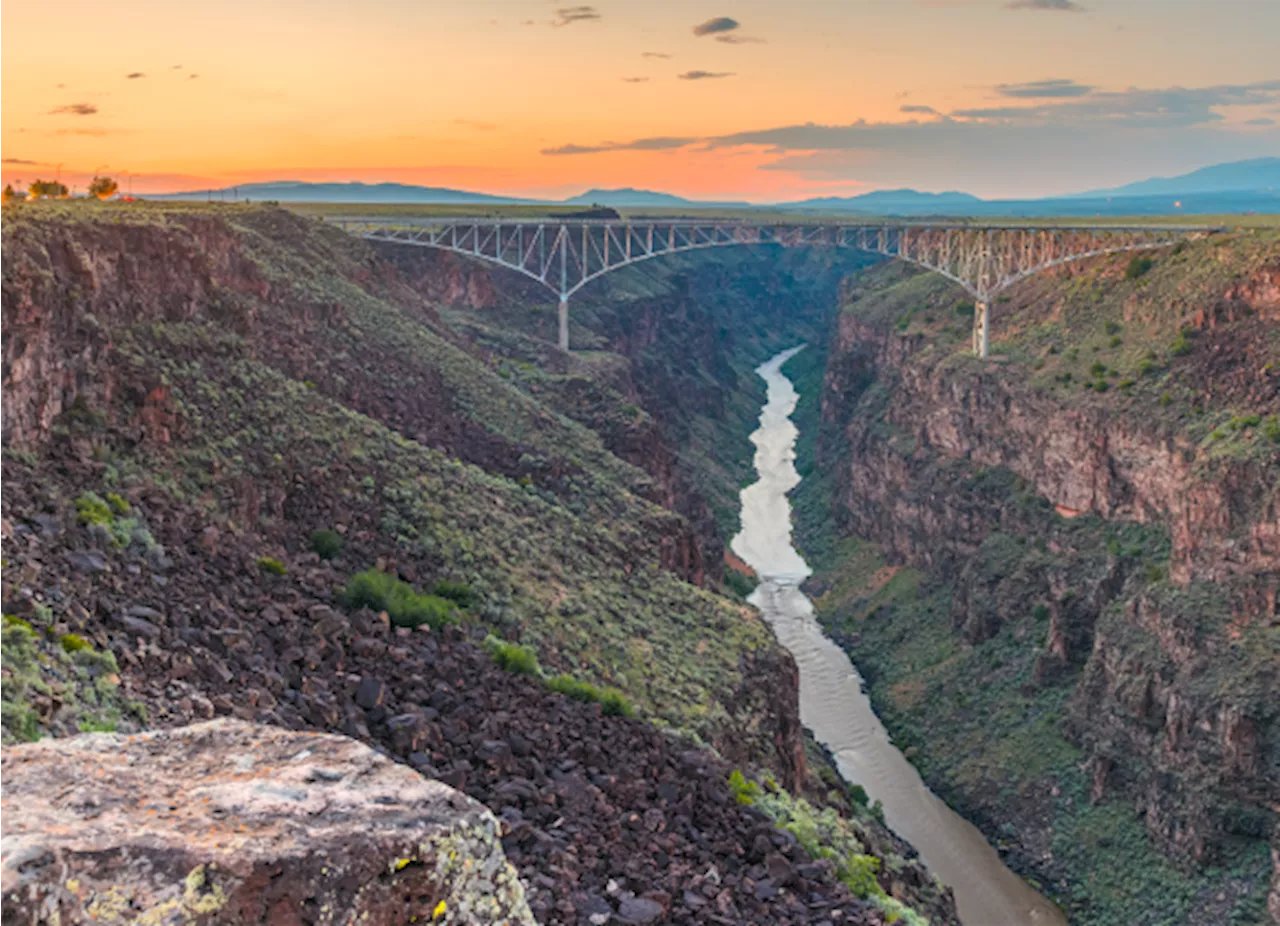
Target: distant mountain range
<point x="299" y="191"/>
<point x="894" y="202"/>
<point x="1240" y="186"/>
<point x="631" y="198"/>
<point x="1237" y="176"/>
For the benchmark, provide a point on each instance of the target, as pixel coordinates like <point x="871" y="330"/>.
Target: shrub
<point x="369" y="589"/>
<point x="571" y="687"/>
<point x="326" y="543"/>
<point x="1138" y="267"/>
<point x="1271" y="428"/>
<point x="512" y="656"/>
<point x="1040" y="612"/>
<point x="272" y="566"/>
<point x="462" y="594"/>
<point x="103" y="187"/>
<point x="406" y="608"/>
<point x="614" y="703"/>
<point x="1116" y="341"/>
<point x="118" y="504"/>
<point x="379" y="591"/>
<point x="738" y="584"/>
<point x="1181" y="345"/>
<point x="965" y="308"/>
<point x="1113" y="328"/>
<point x="860" y="875"/>
<point x="1147" y="367"/>
<point x="1128" y="383"/>
<point x="1098" y="368"/>
<point x="93" y="510"/>
<point x="73" y="643"/>
<point x="1165" y="399"/>
<point x="743" y="789"/>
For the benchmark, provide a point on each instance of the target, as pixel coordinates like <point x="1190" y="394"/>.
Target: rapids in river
<point x="832" y="702"/>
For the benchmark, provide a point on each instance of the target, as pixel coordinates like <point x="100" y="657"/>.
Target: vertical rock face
<point x="229" y="822"/>
<point x="1024" y="493"/>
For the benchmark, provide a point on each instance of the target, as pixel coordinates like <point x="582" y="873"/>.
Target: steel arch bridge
<point x="565" y="255"/>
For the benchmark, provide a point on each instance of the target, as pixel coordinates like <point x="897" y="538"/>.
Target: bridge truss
<point x="566" y="255"/>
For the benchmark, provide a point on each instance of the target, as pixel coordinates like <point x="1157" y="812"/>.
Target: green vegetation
<point x="824" y="834"/>
<point x="326" y="543"/>
<point x="1138" y="267"/>
<point x="522" y="660"/>
<point x="512" y="657"/>
<point x="744" y="791"/>
<point x="74" y="643"/>
<point x="55" y="682"/>
<point x="380" y="591"/>
<point x="271" y="566"/>
<point x="461" y="594"/>
<point x="93" y="510"/>
<point x="739" y="584"/>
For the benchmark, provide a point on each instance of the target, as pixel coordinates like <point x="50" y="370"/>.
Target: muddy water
<point x="832" y="703"/>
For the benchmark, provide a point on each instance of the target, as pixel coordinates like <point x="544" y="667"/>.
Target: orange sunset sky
<point x="733" y="99"/>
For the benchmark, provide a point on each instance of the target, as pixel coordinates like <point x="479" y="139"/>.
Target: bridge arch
<point x="565" y="255"/>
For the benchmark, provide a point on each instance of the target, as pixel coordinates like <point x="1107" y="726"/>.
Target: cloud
<point x="1044" y="89"/>
<point x="1261" y="120"/>
<point x="1065" y="6"/>
<point x="1135" y="107"/>
<point x="92" y="133"/>
<point x="634" y="80"/>
<point x="567" y="15"/>
<point x="192" y="76"/>
<point x="739" y="39"/>
<point x="18" y="161"/>
<point x="719" y="24"/>
<point x="1173" y="113"/>
<point x="663" y="143"/>
<point x="135" y="75"/>
<point x="74" y="109"/>
<point x="704" y="75"/>
<point x="654" y="54"/>
<point x="176" y="67"/>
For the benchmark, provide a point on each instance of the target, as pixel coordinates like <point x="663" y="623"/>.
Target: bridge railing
<point x="565" y="254"/>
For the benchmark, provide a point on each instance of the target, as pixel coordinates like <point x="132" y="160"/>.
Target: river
<point x="832" y="702"/>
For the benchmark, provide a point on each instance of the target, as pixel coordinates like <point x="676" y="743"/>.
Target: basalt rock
<point x="233" y="823"/>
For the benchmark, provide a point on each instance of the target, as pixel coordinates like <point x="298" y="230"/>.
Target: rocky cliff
<point x="1096" y="512"/>
<point x="223" y="423"/>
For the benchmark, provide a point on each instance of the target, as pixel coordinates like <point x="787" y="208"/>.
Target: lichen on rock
<point x="234" y="823"/>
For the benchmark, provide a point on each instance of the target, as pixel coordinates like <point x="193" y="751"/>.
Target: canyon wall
<point x="1138" y="521"/>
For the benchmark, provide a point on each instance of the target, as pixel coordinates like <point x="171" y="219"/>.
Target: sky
<point x="754" y="100"/>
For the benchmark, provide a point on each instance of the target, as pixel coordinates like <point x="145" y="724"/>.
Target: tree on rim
<point x="103" y="187"/>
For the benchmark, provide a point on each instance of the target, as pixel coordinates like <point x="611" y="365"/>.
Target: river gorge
<point x="832" y="701"/>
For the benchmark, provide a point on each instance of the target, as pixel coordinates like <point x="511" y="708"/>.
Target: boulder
<point x="228" y="822"/>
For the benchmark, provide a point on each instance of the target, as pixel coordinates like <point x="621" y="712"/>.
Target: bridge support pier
<point x="981" y="328"/>
<point x="564" y="323"/>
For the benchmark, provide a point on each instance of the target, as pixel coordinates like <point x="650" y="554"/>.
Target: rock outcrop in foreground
<point x="230" y="822"/>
